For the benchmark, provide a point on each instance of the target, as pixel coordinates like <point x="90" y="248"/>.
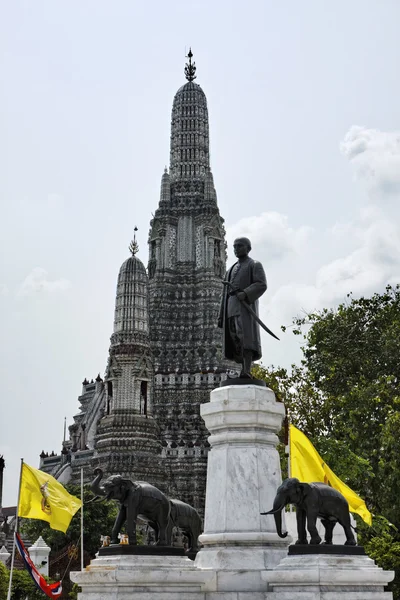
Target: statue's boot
<point x="247" y="364"/>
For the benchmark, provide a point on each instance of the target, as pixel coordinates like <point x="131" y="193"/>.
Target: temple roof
<point x="131" y="303"/>
<point x="190" y="153"/>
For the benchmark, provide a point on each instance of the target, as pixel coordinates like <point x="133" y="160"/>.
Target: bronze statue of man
<point x="245" y="283"/>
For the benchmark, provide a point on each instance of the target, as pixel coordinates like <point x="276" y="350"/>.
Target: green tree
<point x="4" y="578"/>
<point x="23" y="587"/>
<point x="351" y="362"/>
<point x="306" y="409"/>
<point x="345" y="396"/>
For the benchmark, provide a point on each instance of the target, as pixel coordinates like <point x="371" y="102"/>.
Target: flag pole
<point x="82" y="519"/>
<point x="15" y="533"/>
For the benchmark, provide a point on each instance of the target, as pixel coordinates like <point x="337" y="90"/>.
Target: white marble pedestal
<point x="126" y="577"/>
<point x="327" y="577"/>
<point x="242" y="477"/>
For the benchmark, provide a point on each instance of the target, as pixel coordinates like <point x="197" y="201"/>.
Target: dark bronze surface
<point x="312" y="501"/>
<point x="138" y="498"/>
<point x="127" y="549"/>
<point x="326" y="549"/>
<point x="190" y="68"/>
<point x="244" y="284"/>
<point x="243" y="381"/>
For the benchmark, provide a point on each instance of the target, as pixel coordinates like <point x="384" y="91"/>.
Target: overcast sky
<point x="305" y="150"/>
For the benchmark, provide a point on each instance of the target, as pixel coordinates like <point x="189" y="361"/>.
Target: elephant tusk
<point x="272" y="511"/>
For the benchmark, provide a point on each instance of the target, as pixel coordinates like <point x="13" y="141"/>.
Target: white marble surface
<point x="4" y="554"/>
<point x="142" y="577"/>
<point x="39" y="553"/>
<point x="243" y="465"/>
<point x="327" y="577"/>
<point x="242" y="477"/>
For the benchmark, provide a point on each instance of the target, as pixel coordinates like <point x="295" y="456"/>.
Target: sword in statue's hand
<point x="249" y="309"/>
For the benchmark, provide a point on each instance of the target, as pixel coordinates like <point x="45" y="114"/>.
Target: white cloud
<point x="4" y="291"/>
<point x="271" y="234"/>
<point x="375" y="156"/>
<point x="37" y="282"/>
<point x="374" y="262"/>
<point x="371" y="265"/>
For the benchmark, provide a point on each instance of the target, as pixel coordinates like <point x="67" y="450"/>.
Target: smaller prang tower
<point x="127" y="440"/>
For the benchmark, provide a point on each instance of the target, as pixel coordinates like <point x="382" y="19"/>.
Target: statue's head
<point x="241" y="247"/>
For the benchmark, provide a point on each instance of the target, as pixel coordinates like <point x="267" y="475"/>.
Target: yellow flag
<point x="42" y="497"/>
<point x="307" y="465"/>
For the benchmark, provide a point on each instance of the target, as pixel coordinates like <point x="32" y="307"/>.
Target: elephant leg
<point x="189" y="534"/>
<point x="131" y="525"/>
<point x="154" y="526"/>
<point x="162" y="537"/>
<point x="312" y="529"/>
<point x="329" y="526"/>
<point x="163" y="521"/>
<point x="301" y="526"/>
<point x="131" y="531"/>
<point x="196" y="533"/>
<point x="169" y="530"/>
<point x="119" y="521"/>
<point x="346" y="524"/>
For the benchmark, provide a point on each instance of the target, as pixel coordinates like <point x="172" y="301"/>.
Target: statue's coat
<point x="250" y="279"/>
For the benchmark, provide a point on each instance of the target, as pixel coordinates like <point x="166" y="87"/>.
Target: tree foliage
<point x="4" y="578"/>
<point x="22" y="586"/>
<point x="345" y="396"/>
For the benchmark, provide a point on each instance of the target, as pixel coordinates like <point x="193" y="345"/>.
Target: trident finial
<point x="190" y="69"/>
<point x="134" y="246"/>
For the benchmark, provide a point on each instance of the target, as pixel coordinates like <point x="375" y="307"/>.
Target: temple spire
<point x="190" y="69"/>
<point x="190" y="154"/>
<point x="134" y="246"/>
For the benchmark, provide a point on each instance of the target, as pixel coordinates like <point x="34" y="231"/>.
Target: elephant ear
<point x="126" y="485"/>
<point x="305" y="489"/>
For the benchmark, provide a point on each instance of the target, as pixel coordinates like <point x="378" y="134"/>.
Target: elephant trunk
<point x="95" y="485"/>
<point x="279" y="505"/>
<point x="278" y="524"/>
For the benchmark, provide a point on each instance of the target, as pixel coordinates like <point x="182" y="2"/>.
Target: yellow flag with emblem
<point x="308" y="466"/>
<point x="43" y="497"/>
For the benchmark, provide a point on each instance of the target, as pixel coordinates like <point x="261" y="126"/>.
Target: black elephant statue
<point x="188" y="520"/>
<point x="137" y="498"/>
<point x="312" y="500"/>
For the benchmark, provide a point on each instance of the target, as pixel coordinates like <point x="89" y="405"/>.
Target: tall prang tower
<point x="187" y="256"/>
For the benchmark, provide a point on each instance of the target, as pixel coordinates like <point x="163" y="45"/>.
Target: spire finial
<point x="134" y="246"/>
<point x="190" y="69"/>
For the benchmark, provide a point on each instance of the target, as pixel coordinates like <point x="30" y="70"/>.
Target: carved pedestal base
<point x="145" y="577"/>
<point x="318" y="575"/>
